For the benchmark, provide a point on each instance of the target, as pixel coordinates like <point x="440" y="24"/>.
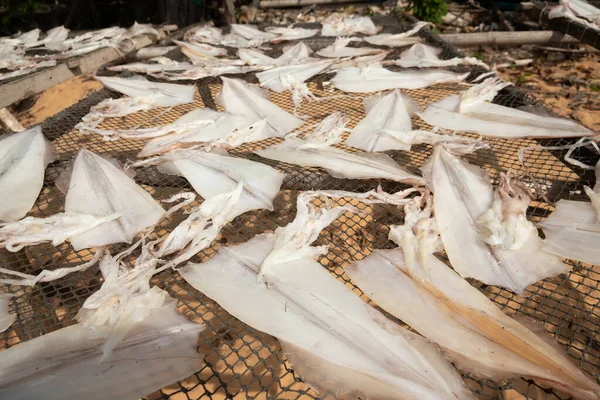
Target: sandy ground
<point x="58" y="98"/>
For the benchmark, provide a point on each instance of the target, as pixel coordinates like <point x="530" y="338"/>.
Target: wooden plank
<point x="507" y="38"/>
<point x="39" y="81"/>
<point x="9" y="121"/>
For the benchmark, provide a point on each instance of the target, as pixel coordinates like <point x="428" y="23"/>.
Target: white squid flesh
<point x="424" y="56"/>
<point x="472" y="111"/>
<point x="98" y="187"/>
<point x="375" y="78"/>
<point x="290" y="33"/>
<point x="24" y="157"/>
<point x="498" y="247"/>
<point x="340" y="49"/>
<point x="241" y="98"/>
<point x="339" y="163"/>
<point x="337" y="24"/>
<point x="336" y="342"/>
<point x="412" y="284"/>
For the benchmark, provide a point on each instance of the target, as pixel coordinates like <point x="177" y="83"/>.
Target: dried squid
<point x="577" y="11"/>
<point x="290" y="33"/>
<point x="204" y="34"/>
<point x="374" y="78"/>
<point x="152" y="68"/>
<point x="241" y="98"/>
<point x="187" y="124"/>
<point x="6" y="318"/>
<point x="229" y="130"/>
<point x="252" y="33"/>
<point x="162" y="94"/>
<point x="388" y="126"/>
<point x="230" y="187"/>
<point x="361" y="62"/>
<point x="201" y="227"/>
<point x="54" y="229"/>
<point x="297" y="54"/>
<point x="573" y="229"/>
<point x="99" y="187"/>
<point x="23" y="160"/>
<point x="423" y="56"/>
<point x="398" y="39"/>
<point x="207" y="68"/>
<point x="334" y="340"/>
<point x="390" y="112"/>
<point x="412" y="284"/>
<point x="143" y="95"/>
<point x="112" y="352"/>
<point x="214" y="172"/>
<point x="485" y="233"/>
<point x="472" y="111"/>
<point x="250" y="117"/>
<point x="340" y="48"/>
<point x="200" y="52"/>
<point x="293" y="78"/>
<point x="316" y="151"/>
<point x="337" y="24"/>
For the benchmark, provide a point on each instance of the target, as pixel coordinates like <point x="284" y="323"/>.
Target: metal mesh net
<point x="241" y="362"/>
<point x="579" y="30"/>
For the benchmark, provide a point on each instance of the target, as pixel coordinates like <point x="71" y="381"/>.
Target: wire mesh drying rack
<point x="241" y="362"/>
<point x="582" y="32"/>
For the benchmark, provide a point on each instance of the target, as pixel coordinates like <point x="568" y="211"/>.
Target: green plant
<point x="523" y="78"/>
<point x="428" y="10"/>
<point x="19" y="11"/>
<point x="594" y="87"/>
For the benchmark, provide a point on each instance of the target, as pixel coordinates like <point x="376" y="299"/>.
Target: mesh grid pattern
<point x="241" y="362"/>
<point x="586" y="34"/>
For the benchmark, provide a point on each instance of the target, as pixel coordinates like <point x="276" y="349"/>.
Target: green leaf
<point x="428" y="10"/>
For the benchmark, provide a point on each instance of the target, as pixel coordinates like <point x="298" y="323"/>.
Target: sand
<point x="59" y="97"/>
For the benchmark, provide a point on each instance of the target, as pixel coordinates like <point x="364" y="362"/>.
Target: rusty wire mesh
<point x="585" y="33"/>
<point x="241" y="362"/>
